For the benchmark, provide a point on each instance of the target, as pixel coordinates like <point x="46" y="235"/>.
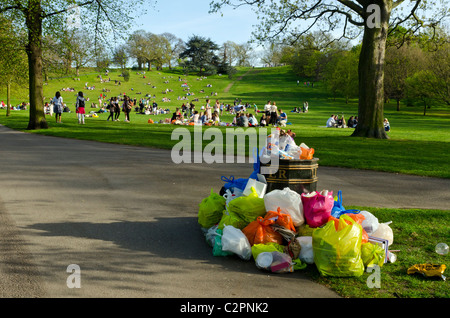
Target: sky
<point x="185" y="18"/>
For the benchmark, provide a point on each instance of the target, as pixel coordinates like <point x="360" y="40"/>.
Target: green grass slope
<point x="418" y="144"/>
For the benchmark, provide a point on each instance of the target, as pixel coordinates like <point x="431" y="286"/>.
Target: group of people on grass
<point x="21" y="106"/>
<point x="335" y="122"/>
<point x="209" y="113"/>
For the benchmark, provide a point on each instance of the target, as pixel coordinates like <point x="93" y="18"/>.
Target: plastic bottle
<point x="392" y="257"/>
<point x="441" y="249"/>
<point x="282" y="263"/>
<point x="264" y="260"/>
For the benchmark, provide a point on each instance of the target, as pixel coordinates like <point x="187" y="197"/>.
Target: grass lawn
<point x="418" y="145"/>
<point x="416" y="233"/>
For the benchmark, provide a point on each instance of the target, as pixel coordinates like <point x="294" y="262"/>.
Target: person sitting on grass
<point x="387" y="126"/>
<point x="252" y="122"/>
<point x="282" y="120"/>
<point x="235" y="119"/>
<point x="203" y="118"/>
<point x="331" y="122"/>
<point x="351" y="122"/>
<point x="262" y="121"/>
<point x="341" y="122"/>
<point x="242" y="121"/>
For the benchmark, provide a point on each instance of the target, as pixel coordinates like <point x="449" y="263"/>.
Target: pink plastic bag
<point x="317" y="207"/>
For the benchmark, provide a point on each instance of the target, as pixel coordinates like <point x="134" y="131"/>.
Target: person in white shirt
<point x="267" y="109"/>
<point x="57" y="106"/>
<point x="273" y="114"/>
<point x="331" y="122"/>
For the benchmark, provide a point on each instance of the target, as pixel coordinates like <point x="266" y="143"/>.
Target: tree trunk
<point x="398" y="104"/>
<point x="371" y="78"/>
<point x="34" y="52"/>
<point x="8" y="99"/>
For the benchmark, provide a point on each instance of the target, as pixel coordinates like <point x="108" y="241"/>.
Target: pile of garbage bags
<point x="283" y="231"/>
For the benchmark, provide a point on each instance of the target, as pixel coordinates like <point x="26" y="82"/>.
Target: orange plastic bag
<point x="358" y="218"/>
<point x="282" y="219"/>
<point x="306" y="154"/>
<point x="261" y="232"/>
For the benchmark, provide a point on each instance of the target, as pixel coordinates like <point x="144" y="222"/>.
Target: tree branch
<point x="46" y="15"/>
<point x="352" y="5"/>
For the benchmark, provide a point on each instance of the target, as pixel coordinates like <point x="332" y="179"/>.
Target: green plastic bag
<point x="269" y="247"/>
<point x="230" y="218"/>
<point x="210" y="210"/>
<point x="338" y="252"/>
<point x="372" y="254"/>
<point x="217" y="248"/>
<point x="298" y="264"/>
<point x="248" y="208"/>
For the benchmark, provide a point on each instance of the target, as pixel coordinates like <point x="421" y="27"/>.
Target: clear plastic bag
<point x="289" y="201"/>
<point x="306" y="252"/>
<point x="276" y="262"/>
<point x="384" y="231"/>
<point x="233" y="240"/>
<point x="370" y="223"/>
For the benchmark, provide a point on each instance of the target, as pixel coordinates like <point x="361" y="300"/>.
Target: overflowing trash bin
<point x="283" y="230"/>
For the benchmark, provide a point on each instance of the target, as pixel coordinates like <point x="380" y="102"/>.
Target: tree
<point x="81" y="48"/>
<point x="375" y="18"/>
<point x="12" y="60"/>
<point x="120" y="56"/>
<point x="417" y="87"/>
<point x="272" y="54"/>
<point x="137" y="45"/>
<point x="176" y="47"/>
<point x="38" y="16"/>
<point x="437" y="77"/>
<point x="401" y="63"/>
<point x="341" y="74"/>
<point x="200" y="55"/>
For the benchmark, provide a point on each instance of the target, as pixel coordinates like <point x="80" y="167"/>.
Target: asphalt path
<point x="127" y="218"/>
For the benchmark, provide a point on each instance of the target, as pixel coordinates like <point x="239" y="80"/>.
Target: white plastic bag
<point x="289" y="201"/>
<point x="384" y="231"/>
<point x="259" y="187"/>
<point x="306" y="252"/>
<point x="235" y="241"/>
<point x="370" y="223"/>
<point x="230" y="195"/>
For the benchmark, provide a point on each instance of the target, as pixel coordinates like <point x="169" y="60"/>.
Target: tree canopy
<point x="289" y="20"/>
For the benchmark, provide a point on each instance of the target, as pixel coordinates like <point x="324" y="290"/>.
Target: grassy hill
<point x="418" y="144"/>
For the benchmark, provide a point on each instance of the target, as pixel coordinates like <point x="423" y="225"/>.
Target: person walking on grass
<point x="80" y="107"/>
<point x="116" y="110"/>
<point x="273" y="114"/>
<point x="126" y="108"/>
<point x="111" y="108"/>
<point x="58" y="106"/>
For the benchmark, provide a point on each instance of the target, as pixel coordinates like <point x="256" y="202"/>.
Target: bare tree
<point x="176" y="47"/>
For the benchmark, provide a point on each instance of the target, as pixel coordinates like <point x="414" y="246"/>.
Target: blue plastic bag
<point x="338" y="209"/>
<point x="256" y="163"/>
<point x="240" y="183"/>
